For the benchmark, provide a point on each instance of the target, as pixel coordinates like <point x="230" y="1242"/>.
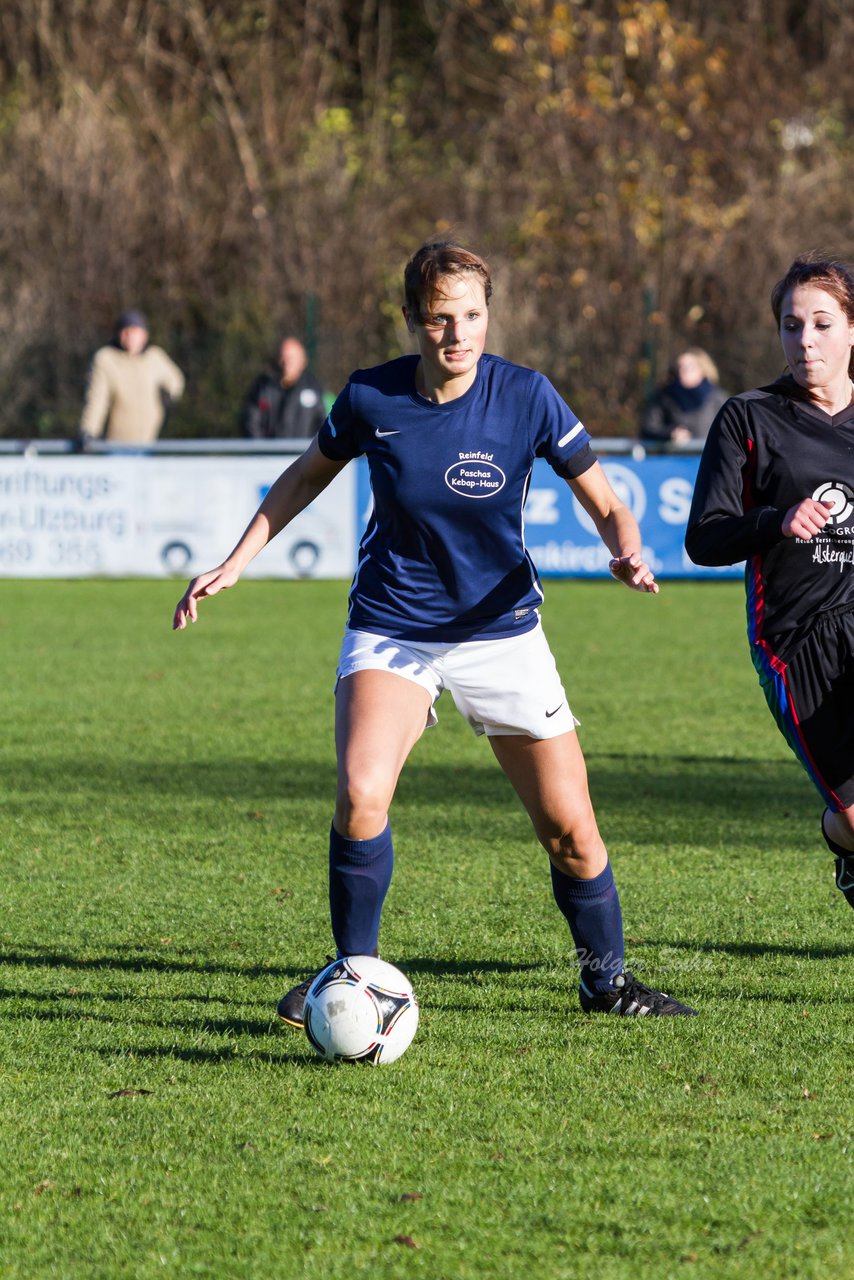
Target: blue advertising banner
<point x="563" y="541"/>
<point x="561" y="536"/>
<point x="165" y="512"/>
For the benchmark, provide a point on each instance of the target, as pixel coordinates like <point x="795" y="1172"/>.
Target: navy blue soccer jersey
<point x="443" y="556"/>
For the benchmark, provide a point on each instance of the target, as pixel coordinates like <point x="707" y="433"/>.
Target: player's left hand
<point x="633" y="572"/>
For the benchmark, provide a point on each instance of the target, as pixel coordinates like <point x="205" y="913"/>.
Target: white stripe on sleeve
<point x="570" y="435"/>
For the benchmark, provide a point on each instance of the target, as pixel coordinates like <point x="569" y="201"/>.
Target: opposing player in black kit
<point x="446" y="597"/>
<point x="776" y="487"/>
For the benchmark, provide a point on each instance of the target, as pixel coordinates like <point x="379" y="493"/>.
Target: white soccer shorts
<point x="500" y="687"/>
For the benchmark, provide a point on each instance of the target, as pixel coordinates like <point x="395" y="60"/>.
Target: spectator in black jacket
<point x="285" y="401"/>
<point x="683" y="409"/>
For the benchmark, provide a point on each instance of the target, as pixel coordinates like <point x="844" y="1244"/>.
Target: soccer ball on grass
<point x="360" y="1009"/>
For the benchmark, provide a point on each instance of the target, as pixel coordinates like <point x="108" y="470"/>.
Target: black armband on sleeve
<point x="582" y="460"/>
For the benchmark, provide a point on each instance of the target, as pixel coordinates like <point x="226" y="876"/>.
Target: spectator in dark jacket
<point x="284" y="402"/>
<point x="684" y="408"/>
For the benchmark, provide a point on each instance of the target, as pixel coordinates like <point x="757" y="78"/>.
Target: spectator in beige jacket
<point x="131" y="386"/>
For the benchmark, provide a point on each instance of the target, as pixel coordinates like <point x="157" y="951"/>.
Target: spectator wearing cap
<point x="131" y="386"/>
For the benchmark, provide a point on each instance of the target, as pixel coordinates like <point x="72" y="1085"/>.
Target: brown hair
<point x="432" y="262"/>
<point x="830" y="274"/>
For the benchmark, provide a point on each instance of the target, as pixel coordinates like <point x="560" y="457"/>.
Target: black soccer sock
<point x="844" y="865"/>
<point x="592" y="911"/>
<point x="359" y="877"/>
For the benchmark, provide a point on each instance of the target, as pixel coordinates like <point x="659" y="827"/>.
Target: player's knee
<point x="362" y="805"/>
<point x="845" y="818"/>
<point x="575" y="851"/>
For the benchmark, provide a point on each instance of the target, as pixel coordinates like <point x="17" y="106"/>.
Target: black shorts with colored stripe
<point x="811" y="696"/>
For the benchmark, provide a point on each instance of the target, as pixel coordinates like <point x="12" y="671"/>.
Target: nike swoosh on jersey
<point x="379" y="433"/>
<point x="549" y="714"/>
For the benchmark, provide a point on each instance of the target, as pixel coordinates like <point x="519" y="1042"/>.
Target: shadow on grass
<point x="135" y="960"/>
<point x="760" y="950"/>
<point x="667" y="799"/>
<point x="217" y="1057"/>
<point x="52" y="1011"/>
<point x="738" y="995"/>
<point x="75" y="1004"/>
<point x="716" y="777"/>
<point x="438" y="967"/>
<point x="75" y="1008"/>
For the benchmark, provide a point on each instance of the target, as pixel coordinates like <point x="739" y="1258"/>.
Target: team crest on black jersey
<point x="839" y="496"/>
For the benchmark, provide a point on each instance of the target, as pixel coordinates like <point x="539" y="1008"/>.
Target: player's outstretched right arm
<point x="295" y="488"/>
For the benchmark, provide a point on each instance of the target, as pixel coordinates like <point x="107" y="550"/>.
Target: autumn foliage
<point x="638" y="172"/>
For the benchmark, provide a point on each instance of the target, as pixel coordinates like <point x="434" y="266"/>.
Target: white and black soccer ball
<point x="361" y="1009"/>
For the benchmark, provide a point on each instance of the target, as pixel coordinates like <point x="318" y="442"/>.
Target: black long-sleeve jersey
<point x="767" y="450"/>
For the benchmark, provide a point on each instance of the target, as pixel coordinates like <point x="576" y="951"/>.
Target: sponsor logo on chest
<point x="475" y="475"/>
<point x="839" y="496"/>
<point x="834" y="544"/>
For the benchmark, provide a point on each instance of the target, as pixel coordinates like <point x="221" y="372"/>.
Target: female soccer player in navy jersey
<point x="445" y="596"/>
<point x="776" y="488"/>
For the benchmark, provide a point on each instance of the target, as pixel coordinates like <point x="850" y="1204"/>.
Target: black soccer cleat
<point x="844" y="866"/>
<point x="290" y="1007"/>
<point x="629" y="998"/>
<point x="845" y="876"/>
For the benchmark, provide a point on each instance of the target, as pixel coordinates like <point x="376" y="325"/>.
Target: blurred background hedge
<point x="638" y="173"/>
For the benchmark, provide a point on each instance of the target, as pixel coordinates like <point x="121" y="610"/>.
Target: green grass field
<point x="164" y="813"/>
